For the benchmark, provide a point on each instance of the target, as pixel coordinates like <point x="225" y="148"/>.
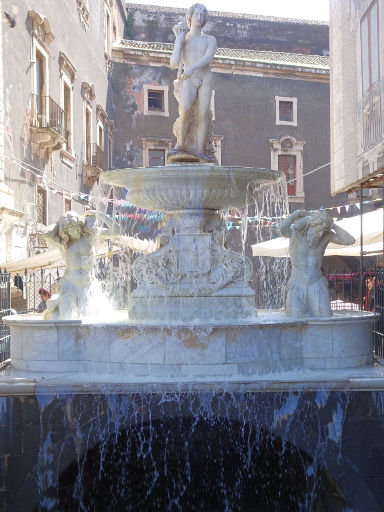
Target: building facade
<point x="56" y="62"/>
<point x="357" y="94"/>
<point x="81" y="99"/>
<point x="270" y="102"/>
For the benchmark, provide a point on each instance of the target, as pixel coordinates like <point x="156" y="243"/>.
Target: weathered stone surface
<point x="259" y="347"/>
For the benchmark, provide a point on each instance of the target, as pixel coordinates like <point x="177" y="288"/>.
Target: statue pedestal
<point x="192" y="276"/>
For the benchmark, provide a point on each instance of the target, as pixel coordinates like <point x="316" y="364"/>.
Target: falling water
<point x="188" y="449"/>
<point x="266" y="205"/>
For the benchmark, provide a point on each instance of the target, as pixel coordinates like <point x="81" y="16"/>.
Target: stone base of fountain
<point x="229" y="304"/>
<point x="269" y="344"/>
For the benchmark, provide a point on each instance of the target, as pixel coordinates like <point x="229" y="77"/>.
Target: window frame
<point x="279" y="99"/>
<point x="38" y="48"/>
<point x="67" y="83"/>
<point x="149" y="143"/>
<point x="297" y="150"/>
<point x="147" y="110"/>
<point x="367" y="16"/>
<point x="291" y="187"/>
<point x="67" y="197"/>
<point x="107" y="29"/>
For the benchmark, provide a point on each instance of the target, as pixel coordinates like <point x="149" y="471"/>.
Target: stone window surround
<point x="40" y="29"/>
<point x="150" y="87"/>
<point x="296" y="150"/>
<point x="88" y="93"/>
<point x="294" y="104"/>
<point x="82" y="9"/>
<point x="154" y="143"/>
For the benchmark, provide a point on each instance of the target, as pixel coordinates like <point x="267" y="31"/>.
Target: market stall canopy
<point x="372" y="238"/>
<point x="53" y="259"/>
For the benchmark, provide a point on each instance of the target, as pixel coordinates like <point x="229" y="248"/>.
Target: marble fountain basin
<point x="189" y="186"/>
<point x="270" y="343"/>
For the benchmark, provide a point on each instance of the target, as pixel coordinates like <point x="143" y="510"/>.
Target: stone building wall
<point x="357" y="116"/>
<point x="153" y="23"/>
<point x="244" y="104"/>
<point x="65" y="42"/>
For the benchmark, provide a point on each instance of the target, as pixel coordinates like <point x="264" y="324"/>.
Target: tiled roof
<point x="235" y="15"/>
<point x="280" y="58"/>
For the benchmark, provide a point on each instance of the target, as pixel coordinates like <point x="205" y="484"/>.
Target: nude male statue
<point x="75" y="236"/>
<point x="309" y="233"/>
<point x="192" y="54"/>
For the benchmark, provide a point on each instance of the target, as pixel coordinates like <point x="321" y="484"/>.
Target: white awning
<point x="53" y="258"/>
<point x="372" y="238"/>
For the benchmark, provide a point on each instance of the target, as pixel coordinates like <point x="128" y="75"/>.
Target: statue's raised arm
<point x="339" y="236"/>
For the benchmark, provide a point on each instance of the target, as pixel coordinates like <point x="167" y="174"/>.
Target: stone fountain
<point x="191" y="399"/>
<point x="192" y="313"/>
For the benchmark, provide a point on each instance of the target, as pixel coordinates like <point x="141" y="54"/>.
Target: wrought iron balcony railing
<point x="371" y="116"/>
<point x="46" y="113"/>
<point x="95" y="155"/>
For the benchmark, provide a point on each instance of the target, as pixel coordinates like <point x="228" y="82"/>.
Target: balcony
<point x="47" y="125"/>
<point x="371" y="117"/>
<point x="94" y="164"/>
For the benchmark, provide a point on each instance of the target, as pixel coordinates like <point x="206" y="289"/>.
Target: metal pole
<point x="361" y="249"/>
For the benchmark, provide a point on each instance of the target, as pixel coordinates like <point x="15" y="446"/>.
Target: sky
<point x="301" y="9"/>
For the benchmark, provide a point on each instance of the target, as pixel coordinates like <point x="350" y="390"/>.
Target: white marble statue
<point x="309" y="233"/>
<point x="76" y="237"/>
<point x="192" y="55"/>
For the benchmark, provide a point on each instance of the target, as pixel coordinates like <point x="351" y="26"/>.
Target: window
<point x="100" y="136"/>
<point x="107" y="29"/>
<point x="67" y="78"/>
<point x="41" y="38"/>
<point x="87" y="134"/>
<point x="67" y="204"/>
<point x="370" y="47"/>
<point x="287" y="163"/>
<point x="287" y="156"/>
<point x="40" y="88"/>
<point x="155" y="100"/>
<point x="155" y="150"/>
<point x="67" y="107"/>
<point x="41" y="205"/>
<point x="40" y="80"/>
<point x="110" y="149"/>
<point x="156" y="157"/>
<point x="286" y="110"/>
